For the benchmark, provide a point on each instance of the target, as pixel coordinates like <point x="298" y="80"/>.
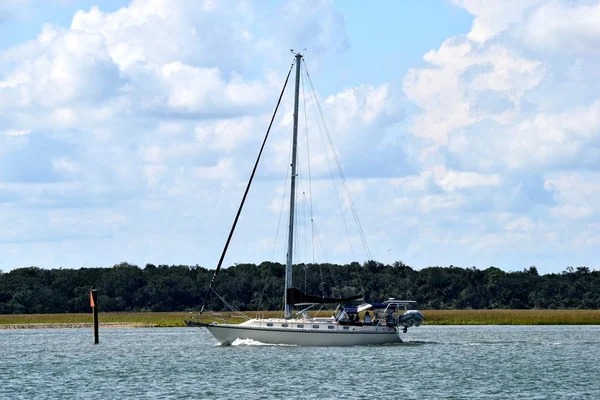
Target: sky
<point x="468" y="131"/>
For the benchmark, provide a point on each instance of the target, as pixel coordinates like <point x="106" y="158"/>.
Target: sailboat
<point x="350" y="324"/>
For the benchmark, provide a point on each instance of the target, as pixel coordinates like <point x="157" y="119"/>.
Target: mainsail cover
<point x="295" y="296"/>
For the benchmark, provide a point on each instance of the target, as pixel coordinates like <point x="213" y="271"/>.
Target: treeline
<point x="126" y="287"/>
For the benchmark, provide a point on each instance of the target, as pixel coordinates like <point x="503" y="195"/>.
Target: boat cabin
<point x="386" y="313"/>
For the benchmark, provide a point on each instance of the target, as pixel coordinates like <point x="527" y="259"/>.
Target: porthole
<point x="300" y="326"/>
<point x="330" y="327"/>
<point x="269" y="324"/>
<point x="284" y="325"/>
<point x="315" y="326"/>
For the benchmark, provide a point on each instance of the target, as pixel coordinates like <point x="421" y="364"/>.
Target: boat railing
<point x="304" y="312"/>
<point x="400" y="303"/>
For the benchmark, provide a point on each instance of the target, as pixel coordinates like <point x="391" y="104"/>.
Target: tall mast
<point x="290" y="250"/>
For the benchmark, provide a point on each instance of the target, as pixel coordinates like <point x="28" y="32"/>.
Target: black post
<point x="94" y="304"/>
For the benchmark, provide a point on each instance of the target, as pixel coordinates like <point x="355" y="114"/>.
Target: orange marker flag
<point x="92" y="304"/>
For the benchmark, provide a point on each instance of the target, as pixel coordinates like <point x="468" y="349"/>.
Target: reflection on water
<point x="433" y="362"/>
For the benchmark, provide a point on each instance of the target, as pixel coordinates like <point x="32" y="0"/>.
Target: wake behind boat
<point x="354" y="322"/>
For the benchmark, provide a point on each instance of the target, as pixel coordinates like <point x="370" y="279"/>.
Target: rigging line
<point x="238" y="312"/>
<point x="342" y="176"/>
<point x="285" y="191"/>
<point x="310" y="197"/>
<point x="332" y="175"/>
<point x="339" y="203"/>
<point x="305" y="275"/>
<point x="305" y="211"/>
<point x="286" y="250"/>
<point x="343" y="179"/>
<point x="320" y="243"/>
<point x="337" y="195"/>
<point x="309" y="171"/>
<point x="264" y="289"/>
<point x="295" y="226"/>
<point x="300" y="216"/>
<point x="269" y="270"/>
<point x="303" y="216"/>
<point x="305" y="205"/>
<point x="297" y="249"/>
<point x="305" y="208"/>
<point x="325" y="256"/>
<point x="237" y="216"/>
<point x="285" y="185"/>
<point x="287" y="232"/>
<point x="351" y="202"/>
<point x="354" y="215"/>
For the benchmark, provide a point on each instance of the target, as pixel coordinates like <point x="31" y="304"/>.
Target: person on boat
<point x="337" y="313"/>
<point x="390" y="318"/>
<point x="343" y="316"/>
<point x="368" y="320"/>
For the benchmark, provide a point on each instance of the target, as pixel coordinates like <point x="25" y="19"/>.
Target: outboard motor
<point x="411" y="318"/>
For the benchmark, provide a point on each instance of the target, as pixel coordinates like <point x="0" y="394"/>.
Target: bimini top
<point x="356" y="309"/>
<point x="399" y="303"/>
<point x="390" y="303"/>
<point x="393" y="304"/>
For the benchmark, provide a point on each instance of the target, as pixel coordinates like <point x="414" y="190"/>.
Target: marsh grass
<point x="512" y="317"/>
<point x="167" y="319"/>
<point x="432" y="317"/>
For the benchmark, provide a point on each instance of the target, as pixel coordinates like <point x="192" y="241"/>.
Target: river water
<point x="435" y="362"/>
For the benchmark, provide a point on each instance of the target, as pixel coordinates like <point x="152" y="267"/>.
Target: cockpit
<point x="391" y="312"/>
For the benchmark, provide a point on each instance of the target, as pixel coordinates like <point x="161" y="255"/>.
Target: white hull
<point x="302" y="332"/>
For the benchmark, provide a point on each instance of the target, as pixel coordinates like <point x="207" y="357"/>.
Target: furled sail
<point x="295" y="296"/>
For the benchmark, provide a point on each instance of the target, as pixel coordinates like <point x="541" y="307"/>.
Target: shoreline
<point x="176" y="319"/>
<point x="76" y="325"/>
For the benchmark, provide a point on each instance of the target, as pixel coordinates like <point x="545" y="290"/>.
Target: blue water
<point x="524" y="362"/>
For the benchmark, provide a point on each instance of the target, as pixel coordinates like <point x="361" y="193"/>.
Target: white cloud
<point x="64" y="165"/>
<point x="323" y="29"/>
<point x="577" y="194"/>
<point x="511" y="128"/>
<point x="363" y="104"/>
<point x="154" y="104"/>
<point x="491" y="104"/>
<point x="72" y="67"/>
<point x="225" y="135"/>
<point x="154" y="174"/>
<point x="17" y="132"/>
<point x="452" y="180"/>
<point x="492" y="18"/>
<point x="147" y="121"/>
<point x="453" y="90"/>
<point x="522" y="224"/>
<point x="564" y="27"/>
<point x="48" y="34"/>
<point x="203" y="90"/>
<point x="559" y="138"/>
<point x="440" y="201"/>
<point x="223" y="170"/>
